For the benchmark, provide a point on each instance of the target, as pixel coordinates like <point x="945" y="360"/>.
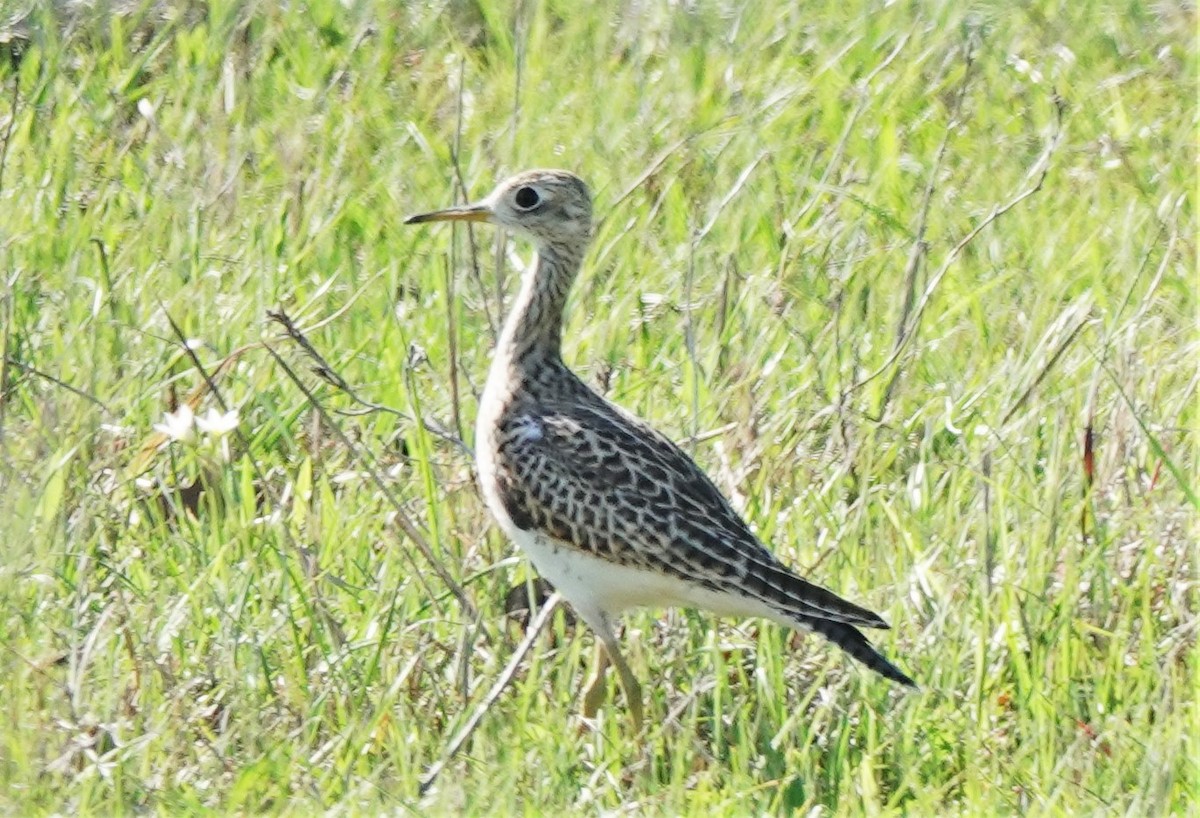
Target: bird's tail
<point x="800" y="602"/>
<point x="852" y="640"/>
<point x="795" y="596"/>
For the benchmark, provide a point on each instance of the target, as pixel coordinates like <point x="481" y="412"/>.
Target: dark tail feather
<point x="799" y="597"/>
<point x="851" y="640"/>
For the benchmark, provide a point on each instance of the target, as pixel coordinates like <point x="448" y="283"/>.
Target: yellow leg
<point x="608" y="652"/>
<point x="633" y="690"/>
<point x="594" y="689"/>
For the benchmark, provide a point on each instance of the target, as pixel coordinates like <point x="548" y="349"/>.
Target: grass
<point x="242" y="625"/>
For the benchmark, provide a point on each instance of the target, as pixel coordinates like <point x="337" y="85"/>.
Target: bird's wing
<point x="598" y="479"/>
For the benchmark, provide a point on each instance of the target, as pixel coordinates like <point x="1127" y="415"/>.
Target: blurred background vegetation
<point x="916" y="282"/>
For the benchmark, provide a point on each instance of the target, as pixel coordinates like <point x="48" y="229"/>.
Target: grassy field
<point x="916" y="284"/>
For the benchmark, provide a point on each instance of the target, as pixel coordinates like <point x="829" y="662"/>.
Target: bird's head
<point x="554" y="207"/>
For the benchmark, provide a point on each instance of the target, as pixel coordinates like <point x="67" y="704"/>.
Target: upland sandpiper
<point x="613" y="513"/>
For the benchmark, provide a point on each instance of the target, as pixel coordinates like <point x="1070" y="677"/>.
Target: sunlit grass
<point x="243" y="626"/>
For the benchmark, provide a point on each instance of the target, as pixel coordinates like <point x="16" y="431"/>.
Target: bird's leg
<point x="629" y="683"/>
<point x="633" y="690"/>
<point x="609" y="652"/>
<point x="594" y="689"/>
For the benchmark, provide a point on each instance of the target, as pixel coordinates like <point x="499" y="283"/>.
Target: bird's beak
<point x="477" y="212"/>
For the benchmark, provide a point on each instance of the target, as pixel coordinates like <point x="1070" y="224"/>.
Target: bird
<point x="613" y="513"/>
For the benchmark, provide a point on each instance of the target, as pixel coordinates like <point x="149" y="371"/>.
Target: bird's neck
<point x="532" y="334"/>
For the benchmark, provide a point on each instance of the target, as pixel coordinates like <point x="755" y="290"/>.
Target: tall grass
<point x="991" y="441"/>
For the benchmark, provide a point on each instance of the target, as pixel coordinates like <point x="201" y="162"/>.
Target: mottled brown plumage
<point x="614" y="514"/>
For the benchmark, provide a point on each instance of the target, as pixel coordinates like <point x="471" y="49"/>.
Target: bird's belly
<point x="592" y="583"/>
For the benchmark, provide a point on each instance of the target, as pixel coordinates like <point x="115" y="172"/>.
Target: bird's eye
<point x="527" y="198"/>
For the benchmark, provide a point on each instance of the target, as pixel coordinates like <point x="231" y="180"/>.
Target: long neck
<point x="532" y="332"/>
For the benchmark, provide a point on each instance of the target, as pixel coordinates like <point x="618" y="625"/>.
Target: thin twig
<point x="1152" y="287"/>
<point x="406" y="524"/>
<point x="1152" y="439"/>
<point x="656" y="164"/>
<point x="733" y="191"/>
<point x="689" y="340"/>
<point x="1040" y="169"/>
<point x="37" y="373"/>
<point x="689" y="328"/>
<point x="493" y="695"/>
<point x="452" y="342"/>
<point x="456" y="159"/>
<point x="863" y="99"/>
<point x="343" y="69"/>
<point x="369" y="284"/>
<point x="654" y="167"/>
<point x="919" y="249"/>
<point x="701" y="437"/>
<point x="329" y="375"/>
<point x="1112" y="329"/>
<point x="1041" y="376"/>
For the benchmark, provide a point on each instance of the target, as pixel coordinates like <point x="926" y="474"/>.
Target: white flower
<point x="217" y="424"/>
<point x="178" y="425"/>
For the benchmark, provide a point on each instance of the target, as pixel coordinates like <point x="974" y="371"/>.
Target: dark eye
<point x="527" y="198"/>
